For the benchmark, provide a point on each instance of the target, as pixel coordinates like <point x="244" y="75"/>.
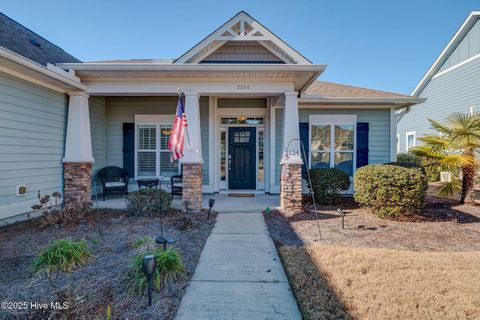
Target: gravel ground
<point x="102" y="283"/>
<point x="444" y="226"/>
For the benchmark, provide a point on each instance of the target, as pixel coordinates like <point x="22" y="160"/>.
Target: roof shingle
<point x="336" y="90"/>
<point x="21" y="40"/>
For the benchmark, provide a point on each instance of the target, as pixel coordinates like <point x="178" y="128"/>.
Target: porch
<point x="223" y="203"/>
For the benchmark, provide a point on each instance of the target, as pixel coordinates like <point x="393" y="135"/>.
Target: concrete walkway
<point x="239" y="275"/>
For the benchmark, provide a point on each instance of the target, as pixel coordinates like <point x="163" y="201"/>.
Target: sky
<point x="384" y="45"/>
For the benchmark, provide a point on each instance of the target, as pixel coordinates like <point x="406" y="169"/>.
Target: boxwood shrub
<point x="390" y="190"/>
<point x="327" y="183"/>
<point x="148" y="202"/>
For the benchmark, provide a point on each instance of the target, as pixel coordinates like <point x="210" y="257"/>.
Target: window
<point x="242" y="120"/>
<point x="261" y="165"/>
<point x="332" y="142"/>
<point x="153" y="157"/>
<point x="398" y="143"/>
<point x="410" y="140"/>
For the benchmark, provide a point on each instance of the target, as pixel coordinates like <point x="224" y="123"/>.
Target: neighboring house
<point x="249" y="98"/>
<point x="452" y="84"/>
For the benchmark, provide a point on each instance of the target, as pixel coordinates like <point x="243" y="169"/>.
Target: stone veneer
<point x="291" y="188"/>
<point x="192" y="185"/>
<point x="77" y="183"/>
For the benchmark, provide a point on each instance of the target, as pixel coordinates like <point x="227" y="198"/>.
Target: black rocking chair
<point x="113" y="180"/>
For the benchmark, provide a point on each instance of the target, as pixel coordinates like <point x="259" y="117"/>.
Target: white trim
<point x="398" y="143"/>
<point x="332" y="118"/>
<point x="211" y="153"/>
<point x="475" y="57"/>
<point x="461" y="32"/>
<point x="272" y="144"/>
<point x="414" y="139"/>
<point x="154" y="119"/>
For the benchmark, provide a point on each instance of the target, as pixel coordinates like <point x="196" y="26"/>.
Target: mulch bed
<point x="101" y="284"/>
<point x="443" y="226"/>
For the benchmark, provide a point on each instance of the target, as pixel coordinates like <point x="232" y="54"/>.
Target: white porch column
<point x="192" y="151"/>
<point x="78" y="143"/>
<point x="291" y="162"/>
<point x="78" y="159"/>
<point x="291" y="131"/>
<point x="192" y="159"/>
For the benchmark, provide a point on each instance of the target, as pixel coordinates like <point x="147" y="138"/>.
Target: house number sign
<point x="243" y="86"/>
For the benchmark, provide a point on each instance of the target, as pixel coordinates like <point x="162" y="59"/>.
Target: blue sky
<point x="386" y="45"/>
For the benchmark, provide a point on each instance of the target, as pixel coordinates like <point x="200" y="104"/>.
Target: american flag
<point x="175" y="143"/>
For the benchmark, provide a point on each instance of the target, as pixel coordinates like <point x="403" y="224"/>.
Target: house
<point x="249" y="99"/>
<point x="452" y="84"/>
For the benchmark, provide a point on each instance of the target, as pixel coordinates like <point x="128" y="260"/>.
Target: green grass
<point x="61" y="255"/>
<point x="141" y="241"/>
<point x="169" y="269"/>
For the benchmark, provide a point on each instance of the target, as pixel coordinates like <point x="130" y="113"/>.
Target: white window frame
<point x="398" y="143"/>
<point x="332" y="120"/>
<point x="152" y="120"/>
<point x="410" y="133"/>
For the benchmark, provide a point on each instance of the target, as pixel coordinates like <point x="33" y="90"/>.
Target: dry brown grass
<point x="332" y="282"/>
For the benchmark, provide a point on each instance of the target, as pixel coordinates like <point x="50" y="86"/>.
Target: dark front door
<point x="241" y="158"/>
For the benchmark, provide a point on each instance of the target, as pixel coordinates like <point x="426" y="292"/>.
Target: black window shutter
<point x="304" y="132"/>
<point x="129" y="148"/>
<point x="362" y="144"/>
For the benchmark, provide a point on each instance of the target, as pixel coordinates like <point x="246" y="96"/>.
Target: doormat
<point x="241" y="195"/>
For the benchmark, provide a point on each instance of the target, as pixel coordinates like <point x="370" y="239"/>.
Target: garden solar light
<point x="342" y="214"/>
<point x="164" y="241"/>
<point x="211" y="203"/>
<point x="267" y="211"/>
<point x="149" y="266"/>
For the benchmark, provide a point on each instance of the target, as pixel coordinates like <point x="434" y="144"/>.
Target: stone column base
<point x="291" y="188"/>
<point x="77" y="184"/>
<point x="192" y="186"/>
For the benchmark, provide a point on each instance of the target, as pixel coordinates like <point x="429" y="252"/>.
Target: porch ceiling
<point x="300" y="75"/>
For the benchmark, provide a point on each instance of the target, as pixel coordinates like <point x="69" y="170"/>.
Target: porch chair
<point x="176" y="185"/>
<point x="113" y="180"/>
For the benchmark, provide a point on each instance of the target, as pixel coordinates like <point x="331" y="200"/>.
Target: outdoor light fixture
<point x="164" y="240"/>
<point x="149" y="266"/>
<point x="340" y="212"/>
<point x="211" y="203"/>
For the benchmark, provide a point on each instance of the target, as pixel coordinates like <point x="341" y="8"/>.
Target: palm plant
<point x="454" y="148"/>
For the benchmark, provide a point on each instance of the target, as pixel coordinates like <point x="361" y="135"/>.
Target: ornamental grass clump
<point x="390" y="190"/>
<point x="61" y="255"/>
<point x="148" y="203"/>
<point x="169" y="269"/>
<point x="327" y="183"/>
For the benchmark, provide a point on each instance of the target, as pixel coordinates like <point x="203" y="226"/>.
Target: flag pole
<point x="186" y="128"/>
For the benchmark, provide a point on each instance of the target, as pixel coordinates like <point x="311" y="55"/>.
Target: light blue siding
<point x="468" y="47"/>
<point x="454" y="91"/>
<point x="123" y="109"/>
<point x="379" y="132"/>
<point x="32" y="141"/>
<point x="97" y="129"/>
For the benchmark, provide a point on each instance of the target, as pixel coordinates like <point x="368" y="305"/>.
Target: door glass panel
<point x="344" y="161"/>
<point x="344" y="137"/>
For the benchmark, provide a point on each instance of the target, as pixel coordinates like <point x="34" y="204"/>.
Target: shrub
<point x="409" y="158"/>
<point x="54" y="214"/>
<point x="169" y="268"/>
<point x="327" y="184"/>
<point x="408" y="165"/>
<point x="64" y="255"/>
<point x="390" y="190"/>
<point x="148" y="202"/>
<point x="142" y="241"/>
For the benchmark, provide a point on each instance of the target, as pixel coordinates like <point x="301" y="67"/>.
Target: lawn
<point x="99" y="287"/>
<point x="424" y="268"/>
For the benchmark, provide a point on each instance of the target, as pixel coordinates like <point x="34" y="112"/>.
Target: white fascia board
<point x="397" y="101"/>
<point x="189" y="67"/>
<point x="59" y="75"/>
<point x="465" y="27"/>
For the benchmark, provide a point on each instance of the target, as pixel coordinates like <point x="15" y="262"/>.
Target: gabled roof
<point x="329" y="92"/>
<point x="21" y="40"/>
<point x="242" y="27"/>
<point x="457" y="38"/>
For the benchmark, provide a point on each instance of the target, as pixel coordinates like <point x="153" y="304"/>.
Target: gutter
<point x="49" y="71"/>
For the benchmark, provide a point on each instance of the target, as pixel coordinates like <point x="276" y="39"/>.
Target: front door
<point x="241" y="158"/>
